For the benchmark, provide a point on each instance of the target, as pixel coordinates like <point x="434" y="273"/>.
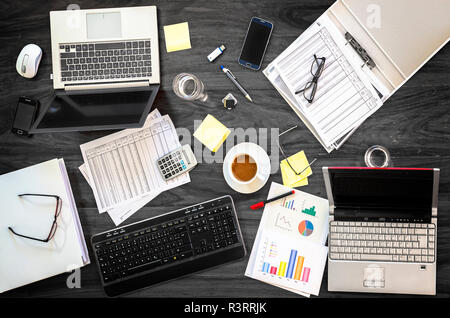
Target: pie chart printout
<point x="305" y="228"/>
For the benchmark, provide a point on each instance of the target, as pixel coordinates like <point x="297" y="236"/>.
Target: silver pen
<point x="234" y="80"/>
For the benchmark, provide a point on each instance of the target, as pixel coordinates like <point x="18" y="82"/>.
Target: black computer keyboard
<point x="99" y="61"/>
<point x="168" y="246"/>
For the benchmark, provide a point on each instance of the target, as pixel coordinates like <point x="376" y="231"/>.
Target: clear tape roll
<point x="73" y="6"/>
<point x="368" y="157"/>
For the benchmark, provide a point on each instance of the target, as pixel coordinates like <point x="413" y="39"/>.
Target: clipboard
<point x="408" y="34"/>
<point x="391" y="40"/>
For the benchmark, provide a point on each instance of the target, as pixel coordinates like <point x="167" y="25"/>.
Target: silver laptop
<point x="105" y="69"/>
<point x="104" y="48"/>
<point x="383" y="229"/>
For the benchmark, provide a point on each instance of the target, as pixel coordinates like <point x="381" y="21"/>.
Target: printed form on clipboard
<point x="344" y="96"/>
<point x="364" y="65"/>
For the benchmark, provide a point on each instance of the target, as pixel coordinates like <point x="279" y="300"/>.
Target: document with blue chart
<point x="289" y="250"/>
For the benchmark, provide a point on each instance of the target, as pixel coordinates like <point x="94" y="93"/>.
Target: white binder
<point x="24" y="261"/>
<point x="399" y="36"/>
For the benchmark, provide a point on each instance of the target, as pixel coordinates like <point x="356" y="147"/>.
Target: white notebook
<point x="24" y="261"/>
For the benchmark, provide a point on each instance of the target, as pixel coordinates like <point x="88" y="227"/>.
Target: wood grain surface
<point x="413" y="125"/>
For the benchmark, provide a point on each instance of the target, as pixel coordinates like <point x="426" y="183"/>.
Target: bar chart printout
<point x="293" y="270"/>
<point x="295" y="266"/>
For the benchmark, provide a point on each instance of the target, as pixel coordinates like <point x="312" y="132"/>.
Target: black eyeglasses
<point x="54" y="224"/>
<point x="316" y="70"/>
<point x="286" y="158"/>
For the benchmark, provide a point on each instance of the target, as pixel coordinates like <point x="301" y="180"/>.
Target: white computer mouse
<point x="28" y="60"/>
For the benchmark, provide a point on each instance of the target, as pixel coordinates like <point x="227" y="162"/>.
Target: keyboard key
<point x="110" y="46"/>
<point x="420" y="232"/>
<point x="138" y="268"/>
<point x="375" y="257"/>
<point x="423" y="241"/>
<point x="67" y="55"/>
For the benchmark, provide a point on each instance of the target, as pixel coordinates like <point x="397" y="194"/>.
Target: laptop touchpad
<point x="103" y="25"/>
<point x="374" y="276"/>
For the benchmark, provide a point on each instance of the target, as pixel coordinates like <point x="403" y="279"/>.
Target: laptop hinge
<point x="76" y="87"/>
<point x="434" y="205"/>
<point x="331" y="212"/>
<point x="434" y="212"/>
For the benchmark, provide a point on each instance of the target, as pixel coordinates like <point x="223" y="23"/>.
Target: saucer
<point x="261" y="158"/>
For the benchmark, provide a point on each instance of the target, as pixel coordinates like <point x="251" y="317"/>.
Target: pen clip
<point x="231" y="74"/>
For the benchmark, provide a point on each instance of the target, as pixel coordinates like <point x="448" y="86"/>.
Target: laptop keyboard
<point x="377" y="241"/>
<point x="105" y="61"/>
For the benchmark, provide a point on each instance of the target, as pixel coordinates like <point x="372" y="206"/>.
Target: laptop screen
<point x="96" y="109"/>
<point x="391" y="194"/>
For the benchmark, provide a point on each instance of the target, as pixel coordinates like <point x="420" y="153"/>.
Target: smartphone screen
<point x="255" y="43"/>
<point x="24" y="116"/>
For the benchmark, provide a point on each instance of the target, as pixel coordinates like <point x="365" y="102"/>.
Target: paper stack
<point x="121" y="168"/>
<point x="289" y="250"/>
<point x="24" y="260"/>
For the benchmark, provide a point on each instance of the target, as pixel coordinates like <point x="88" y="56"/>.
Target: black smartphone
<point x="255" y="43"/>
<point x="24" y="116"/>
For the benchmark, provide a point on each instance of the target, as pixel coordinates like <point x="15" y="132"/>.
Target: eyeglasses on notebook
<point x="54" y="224"/>
<point x="309" y="91"/>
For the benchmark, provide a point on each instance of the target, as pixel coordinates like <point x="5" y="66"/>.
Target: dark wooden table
<point x="413" y="125"/>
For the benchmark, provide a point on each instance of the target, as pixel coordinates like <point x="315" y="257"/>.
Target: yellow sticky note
<point x="212" y="133"/>
<point x="177" y="37"/>
<point x="298" y="162"/>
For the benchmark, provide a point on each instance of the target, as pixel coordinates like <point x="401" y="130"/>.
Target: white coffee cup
<point x="242" y="155"/>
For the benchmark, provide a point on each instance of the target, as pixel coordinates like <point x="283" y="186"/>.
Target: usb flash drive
<point x="214" y="54"/>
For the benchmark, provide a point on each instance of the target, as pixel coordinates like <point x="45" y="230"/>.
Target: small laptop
<point x="383" y="229"/>
<point x="105" y="69"/>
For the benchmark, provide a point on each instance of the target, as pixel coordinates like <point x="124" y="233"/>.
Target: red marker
<point x="261" y="204"/>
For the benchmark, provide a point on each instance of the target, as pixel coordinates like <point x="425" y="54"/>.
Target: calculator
<point x="177" y="162"/>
